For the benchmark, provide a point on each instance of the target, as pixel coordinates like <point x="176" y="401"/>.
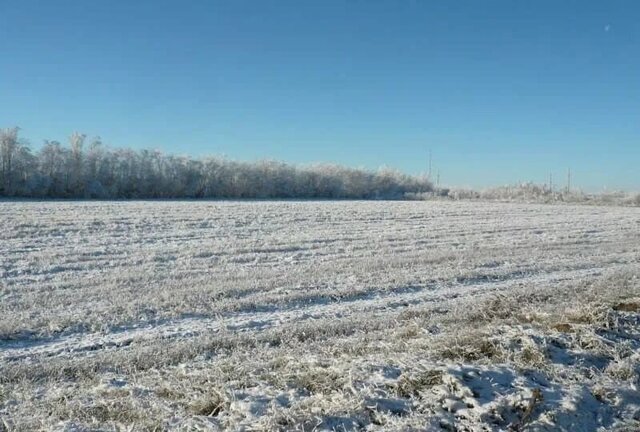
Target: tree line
<point x="89" y="169"/>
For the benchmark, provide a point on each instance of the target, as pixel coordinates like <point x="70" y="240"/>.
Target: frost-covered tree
<point x="8" y="149"/>
<point x="97" y="171"/>
<point x="76" y="181"/>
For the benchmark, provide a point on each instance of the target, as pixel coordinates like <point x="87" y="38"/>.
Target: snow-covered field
<point x="318" y="316"/>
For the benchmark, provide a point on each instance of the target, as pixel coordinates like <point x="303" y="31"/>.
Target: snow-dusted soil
<point x="318" y="316"/>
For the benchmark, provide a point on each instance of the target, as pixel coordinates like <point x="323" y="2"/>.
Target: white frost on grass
<point x="318" y="316"/>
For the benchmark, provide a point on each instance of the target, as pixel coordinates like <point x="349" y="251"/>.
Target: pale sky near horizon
<point x="499" y="91"/>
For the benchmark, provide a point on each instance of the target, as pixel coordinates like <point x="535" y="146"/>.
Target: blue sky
<point x="500" y="91"/>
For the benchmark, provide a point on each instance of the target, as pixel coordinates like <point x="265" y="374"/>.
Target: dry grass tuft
<point x="563" y="327"/>
<point x="318" y="380"/>
<point x="622" y="370"/>
<point x="632" y="306"/>
<point x="210" y="405"/>
<point x="531" y="356"/>
<point x="473" y="347"/>
<point x="411" y="384"/>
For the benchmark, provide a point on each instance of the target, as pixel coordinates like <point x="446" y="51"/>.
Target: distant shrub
<point x="531" y="192"/>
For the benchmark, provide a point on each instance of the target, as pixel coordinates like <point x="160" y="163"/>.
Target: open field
<point x="318" y="316"/>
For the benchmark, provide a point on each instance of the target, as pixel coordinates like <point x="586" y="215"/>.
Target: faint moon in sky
<point x="607" y="28"/>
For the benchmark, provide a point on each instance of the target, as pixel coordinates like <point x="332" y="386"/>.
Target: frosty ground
<point x="318" y="316"/>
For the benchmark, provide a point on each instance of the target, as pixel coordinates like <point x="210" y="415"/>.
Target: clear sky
<point x="500" y="91"/>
